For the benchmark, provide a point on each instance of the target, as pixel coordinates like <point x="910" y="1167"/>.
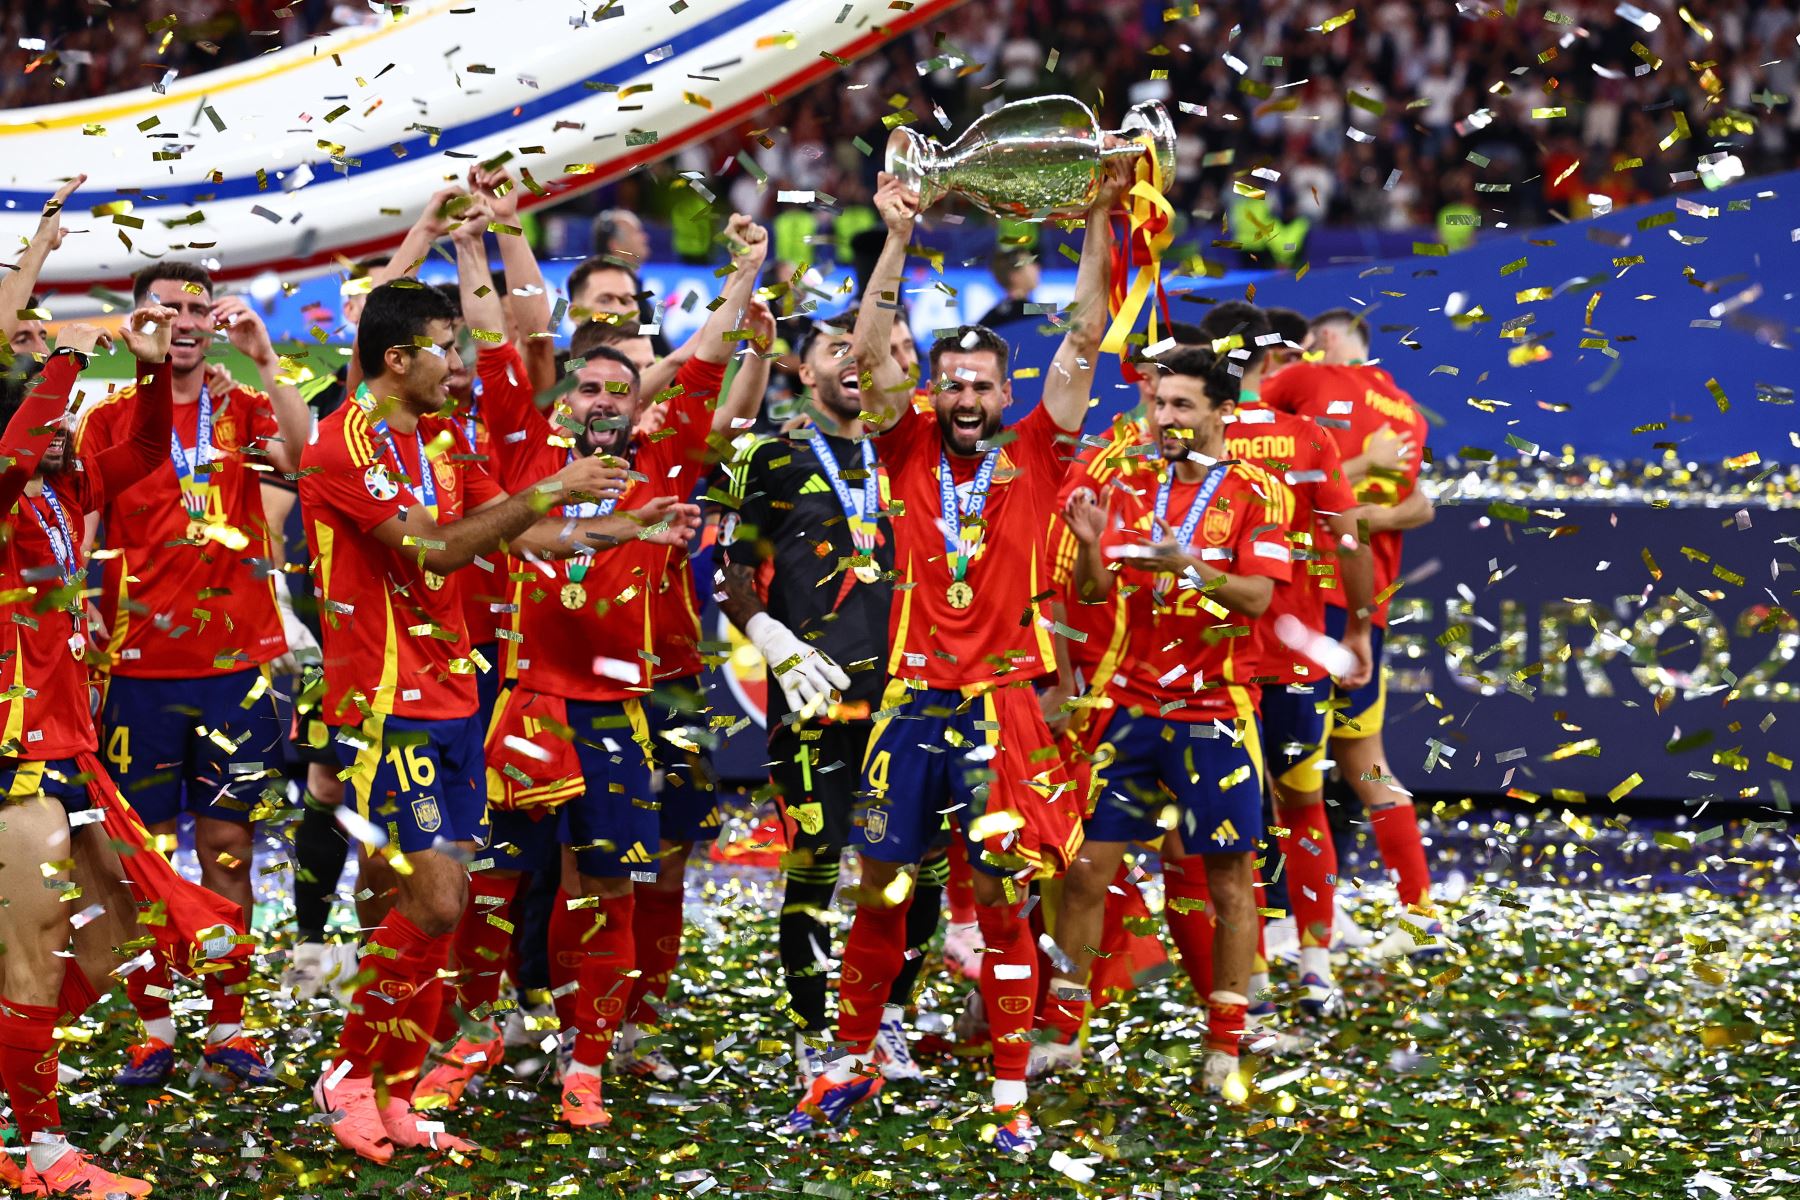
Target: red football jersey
<point x="1355" y="403"/>
<point x="190" y="596"/>
<point x="1122" y="461"/>
<point x="44" y="709"/>
<point x="611" y="645"/>
<point x="486" y="592"/>
<point x="1175" y="657"/>
<point x="1306" y="459"/>
<point x="1004" y="632"/>
<point x="394" y="637"/>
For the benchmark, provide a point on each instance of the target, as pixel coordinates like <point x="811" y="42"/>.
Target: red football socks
<point x="483" y="937"/>
<point x="657" y="930"/>
<point x="1187" y="904"/>
<point x="397" y="961"/>
<point x="1397" y="836"/>
<point x="1312" y="865"/>
<point x="1008" y="986"/>
<point x="226" y="991"/>
<point x="608" y="956"/>
<point x="149" y="988"/>
<point x="872" y="956"/>
<point x="417" y="1032"/>
<point x="1225" y="1022"/>
<point x="28" y="1066"/>
<point x="960" y="891"/>
<point x="564" y="937"/>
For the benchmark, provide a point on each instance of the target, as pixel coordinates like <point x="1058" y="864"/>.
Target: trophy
<point x="1032" y="159"/>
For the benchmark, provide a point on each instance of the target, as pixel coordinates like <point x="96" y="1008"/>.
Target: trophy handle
<point x="1152" y="118"/>
<point x="910" y="158"/>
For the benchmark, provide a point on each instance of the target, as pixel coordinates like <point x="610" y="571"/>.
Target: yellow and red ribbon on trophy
<point x="1149" y="228"/>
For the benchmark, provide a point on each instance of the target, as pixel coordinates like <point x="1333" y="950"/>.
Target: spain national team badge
<point x="1216" y="528"/>
<point x="876" y="828"/>
<point x="381" y="484"/>
<point x="427" y="815"/>
<point x="960" y="595"/>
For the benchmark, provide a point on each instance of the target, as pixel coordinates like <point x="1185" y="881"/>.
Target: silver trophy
<point x="1032" y="159"/>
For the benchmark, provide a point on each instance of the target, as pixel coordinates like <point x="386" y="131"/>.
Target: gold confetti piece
<point x="1530" y="294"/>
<point x="1337" y="22"/>
<point x="1705" y="33"/>
<point x="1679" y="133"/>
<point x="1718" y="395"/>
<point x="1549" y="114"/>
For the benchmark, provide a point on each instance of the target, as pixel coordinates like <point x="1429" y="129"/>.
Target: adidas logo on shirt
<point x="814" y="485"/>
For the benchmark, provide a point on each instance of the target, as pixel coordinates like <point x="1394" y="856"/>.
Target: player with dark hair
<point x="1195" y="561"/>
<point x="396" y="501"/>
<point x="967" y="642"/>
<point x="192" y="625"/>
<point x="820" y="620"/>
<point x="587" y="653"/>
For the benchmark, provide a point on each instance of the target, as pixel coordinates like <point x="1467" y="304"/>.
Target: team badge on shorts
<point x="876" y="829"/>
<point x="380" y="483"/>
<point x="427" y="815"/>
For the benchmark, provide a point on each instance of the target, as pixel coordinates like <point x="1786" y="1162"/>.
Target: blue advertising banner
<point x="1583" y="650"/>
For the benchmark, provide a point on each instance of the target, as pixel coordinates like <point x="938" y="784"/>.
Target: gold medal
<point x="868" y="573"/>
<point x="574" y="596"/>
<point x="960" y="595"/>
<point x="434" y="581"/>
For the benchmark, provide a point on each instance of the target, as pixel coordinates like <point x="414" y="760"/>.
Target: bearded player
<point x="960" y="730"/>
<point x="587" y="659"/>
<point x="396" y="501"/>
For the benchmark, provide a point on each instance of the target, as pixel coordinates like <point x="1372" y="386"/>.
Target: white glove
<point x="806" y="676"/>
<point x="302" y="647"/>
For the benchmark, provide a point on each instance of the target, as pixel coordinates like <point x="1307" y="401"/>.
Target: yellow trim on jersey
<point x="361" y="775"/>
<point x="1046" y="649"/>
<point x="897" y="654"/>
<point x="27" y="779"/>
<point x="1250" y="733"/>
<point x="387" y="689"/>
<point x="1365" y="724"/>
<point x="359" y="437"/>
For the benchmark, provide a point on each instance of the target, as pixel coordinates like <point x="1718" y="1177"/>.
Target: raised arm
<point x="16" y="288"/>
<point x="250" y="337"/>
<point x="441" y="214"/>
<point x="1070" y="380"/>
<point x="481" y="307"/>
<point x="749" y="245"/>
<point x="744" y="397"/>
<point x="530" y="299"/>
<point x="145" y="447"/>
<point x="887" y="394"/>
<point x="35" y="424"/>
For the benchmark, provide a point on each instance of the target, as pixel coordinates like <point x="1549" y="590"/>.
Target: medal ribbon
<point x="578" y="564"/>
<point x="1197" y="510"/>
<point x="62" y="545"/>
<point x="957" y="549"/>
<point x="862" y="518"/>
<point x="187" y="470"/>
